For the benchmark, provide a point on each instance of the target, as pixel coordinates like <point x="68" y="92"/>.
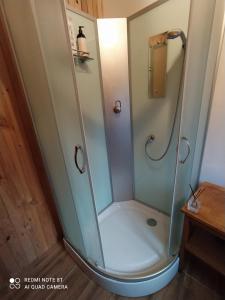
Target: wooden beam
<point x="92" y="7"/>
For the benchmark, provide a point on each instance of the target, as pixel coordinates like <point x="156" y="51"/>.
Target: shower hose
<point x="151" y="138"/>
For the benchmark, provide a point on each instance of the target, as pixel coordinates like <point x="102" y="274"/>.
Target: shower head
<point x="173" y="34"/>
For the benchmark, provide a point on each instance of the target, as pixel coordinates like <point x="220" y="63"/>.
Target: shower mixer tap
<point x="117" y="107"/>
<point x="150" y="139"/>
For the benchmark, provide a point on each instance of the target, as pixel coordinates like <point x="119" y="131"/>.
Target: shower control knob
<point x="117" y="107"/>
<point x="150" y="138"/>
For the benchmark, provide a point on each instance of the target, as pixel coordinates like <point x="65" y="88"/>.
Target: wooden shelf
<point x="204" y="232"/>
<point x="208" y="248"/>
<point x="212" y="210"/>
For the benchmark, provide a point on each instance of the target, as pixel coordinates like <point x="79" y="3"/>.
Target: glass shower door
<point x="88" y="82"/>
<point x="194" y="103"/>
<point x="156" y="115"/>
<point x="157" y="50"/>
<point x="60" y="70"/>
<point x="47" y="69"/>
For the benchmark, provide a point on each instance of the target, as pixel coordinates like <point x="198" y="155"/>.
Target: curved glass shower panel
<point x="30" y="62"/>
<point x="200" y="53"/>
<point x="156" y="56"/>
<point x="52" y="26"/>
<point x="88" y="81"/>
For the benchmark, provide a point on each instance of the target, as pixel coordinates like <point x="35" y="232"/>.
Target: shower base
<point x="132" y="247"/>
<point x="135" y="253"/>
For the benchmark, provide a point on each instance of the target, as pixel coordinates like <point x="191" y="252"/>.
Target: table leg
<point x="186" y="232"/>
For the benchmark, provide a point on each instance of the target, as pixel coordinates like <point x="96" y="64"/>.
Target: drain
<point x="151" y="222"/>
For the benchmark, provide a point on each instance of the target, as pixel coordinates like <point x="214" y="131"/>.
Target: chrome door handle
<point x="78" y="148"/>
<point x="184" y="139"/>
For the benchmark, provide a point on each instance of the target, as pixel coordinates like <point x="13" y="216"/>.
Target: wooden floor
<point x="57" y="263"/>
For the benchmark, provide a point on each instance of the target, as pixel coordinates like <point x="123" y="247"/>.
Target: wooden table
<point x="204" y="232"/>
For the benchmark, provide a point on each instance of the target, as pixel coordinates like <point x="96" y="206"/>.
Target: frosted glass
<point x="90" y="96"/>
<point x="154" y="181"/>
<point x="47" y="70"/>
<point x="59" y="66"/>
<point x="198" y="51"/>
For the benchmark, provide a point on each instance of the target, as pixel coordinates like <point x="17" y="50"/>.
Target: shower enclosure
<point x="120" y="148"/>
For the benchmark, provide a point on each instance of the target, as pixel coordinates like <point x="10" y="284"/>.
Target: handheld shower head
<point x="173" y="34"/>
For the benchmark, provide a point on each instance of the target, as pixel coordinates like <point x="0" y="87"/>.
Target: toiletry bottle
<point x="81" y="42"/>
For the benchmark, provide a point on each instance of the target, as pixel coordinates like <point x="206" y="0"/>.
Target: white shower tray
<point x="131" y="247"/>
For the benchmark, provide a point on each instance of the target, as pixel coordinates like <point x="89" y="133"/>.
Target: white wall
<point x="114" y="63"/>
<point x="213" y="164"/>
<point x="123" y="8"/>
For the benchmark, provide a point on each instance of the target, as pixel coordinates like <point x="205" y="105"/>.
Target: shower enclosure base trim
<point x="127" y="288"/>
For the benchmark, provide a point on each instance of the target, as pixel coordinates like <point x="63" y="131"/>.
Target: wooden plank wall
<point x="28" y="222"/>
<point x="91" y="7"/>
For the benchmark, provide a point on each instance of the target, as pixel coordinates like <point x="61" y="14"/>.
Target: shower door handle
<point x="78" y="148"/>
<point x="186" y="141"/>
